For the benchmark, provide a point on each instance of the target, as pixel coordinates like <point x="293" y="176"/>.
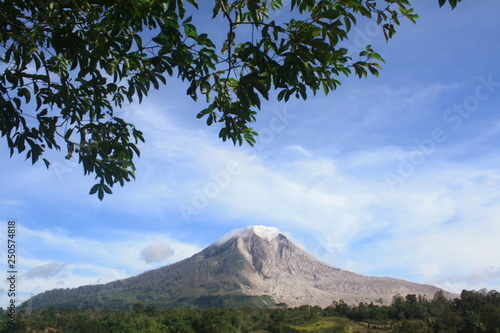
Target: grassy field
<point x="343" y="325"/>
<point x="322" y="324"/>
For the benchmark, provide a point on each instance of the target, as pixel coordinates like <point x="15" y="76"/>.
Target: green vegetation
<point x="67" y="65"/>
<point x="473" y="312"/>
<point x="205" y="296"/>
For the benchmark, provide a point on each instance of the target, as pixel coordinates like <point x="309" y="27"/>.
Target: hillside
<point x="253" y="266"/>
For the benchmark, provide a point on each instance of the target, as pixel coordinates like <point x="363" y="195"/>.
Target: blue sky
<point x="392" y="176"/>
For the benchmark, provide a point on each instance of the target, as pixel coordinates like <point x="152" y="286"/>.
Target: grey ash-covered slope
<point x="276" y="267"/>
<point x="252" y="266"/>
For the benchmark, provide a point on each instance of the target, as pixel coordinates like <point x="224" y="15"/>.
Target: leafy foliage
<point x="67" y="65"/>
<point x="474" y="311"/>
<point x="453" y="3"/>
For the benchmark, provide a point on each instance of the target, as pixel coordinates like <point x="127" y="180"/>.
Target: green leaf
<point x="193" y="2"/>
<point x="106" y="189"/>
<point x="217" y="8"/>
<point x="373" y="70"/>
<point x="135" y="149"/>
<point x="210" y="119"/>
<point x="377" y="56"/>
<point x="47" y="163"/>
<point x="94" y="189"/>
<point x="190" y="30"/>
<point x="453" y="3"/>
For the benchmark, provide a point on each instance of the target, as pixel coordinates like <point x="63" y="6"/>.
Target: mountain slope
<point x="256" y="265"/>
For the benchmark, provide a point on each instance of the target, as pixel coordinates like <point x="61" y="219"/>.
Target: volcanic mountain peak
<point x="255" y="265"/>
<point x="264" y="232"/>
<point x="275" y="266"/>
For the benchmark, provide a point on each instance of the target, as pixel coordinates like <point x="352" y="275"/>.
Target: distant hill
<point x="256" y="266"/>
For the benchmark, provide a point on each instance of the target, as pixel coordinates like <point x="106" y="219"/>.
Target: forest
<point x="472" y="312"/>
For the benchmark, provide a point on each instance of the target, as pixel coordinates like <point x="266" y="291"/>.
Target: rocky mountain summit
<point x="275" y="266"/>
<point x="251" y="266"/>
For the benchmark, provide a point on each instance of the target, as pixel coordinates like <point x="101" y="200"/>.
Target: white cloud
<point x="156" y="252"/>
<point x="260" y="230"/>
<point x="45" y="271"/>
<point x="487" y="277"/>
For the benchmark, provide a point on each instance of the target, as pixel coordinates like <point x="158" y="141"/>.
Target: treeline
<point x="473" y="312"/>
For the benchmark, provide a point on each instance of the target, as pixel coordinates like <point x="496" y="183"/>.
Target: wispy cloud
<point x="45" y="271"/>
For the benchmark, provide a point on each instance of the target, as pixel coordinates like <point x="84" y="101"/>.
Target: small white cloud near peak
<point x="260" y="230"/>
<point x="265" y="232"/>
<point x="156" y="252"/>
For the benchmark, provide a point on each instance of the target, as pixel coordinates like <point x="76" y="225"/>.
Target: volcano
<point x="256" y="266"/>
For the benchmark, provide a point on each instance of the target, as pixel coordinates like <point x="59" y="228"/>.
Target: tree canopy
<point x="68" y="65"/>
<point x="472" y="312"/>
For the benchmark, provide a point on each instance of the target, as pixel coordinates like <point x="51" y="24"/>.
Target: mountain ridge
<point x="251" y="266"/>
